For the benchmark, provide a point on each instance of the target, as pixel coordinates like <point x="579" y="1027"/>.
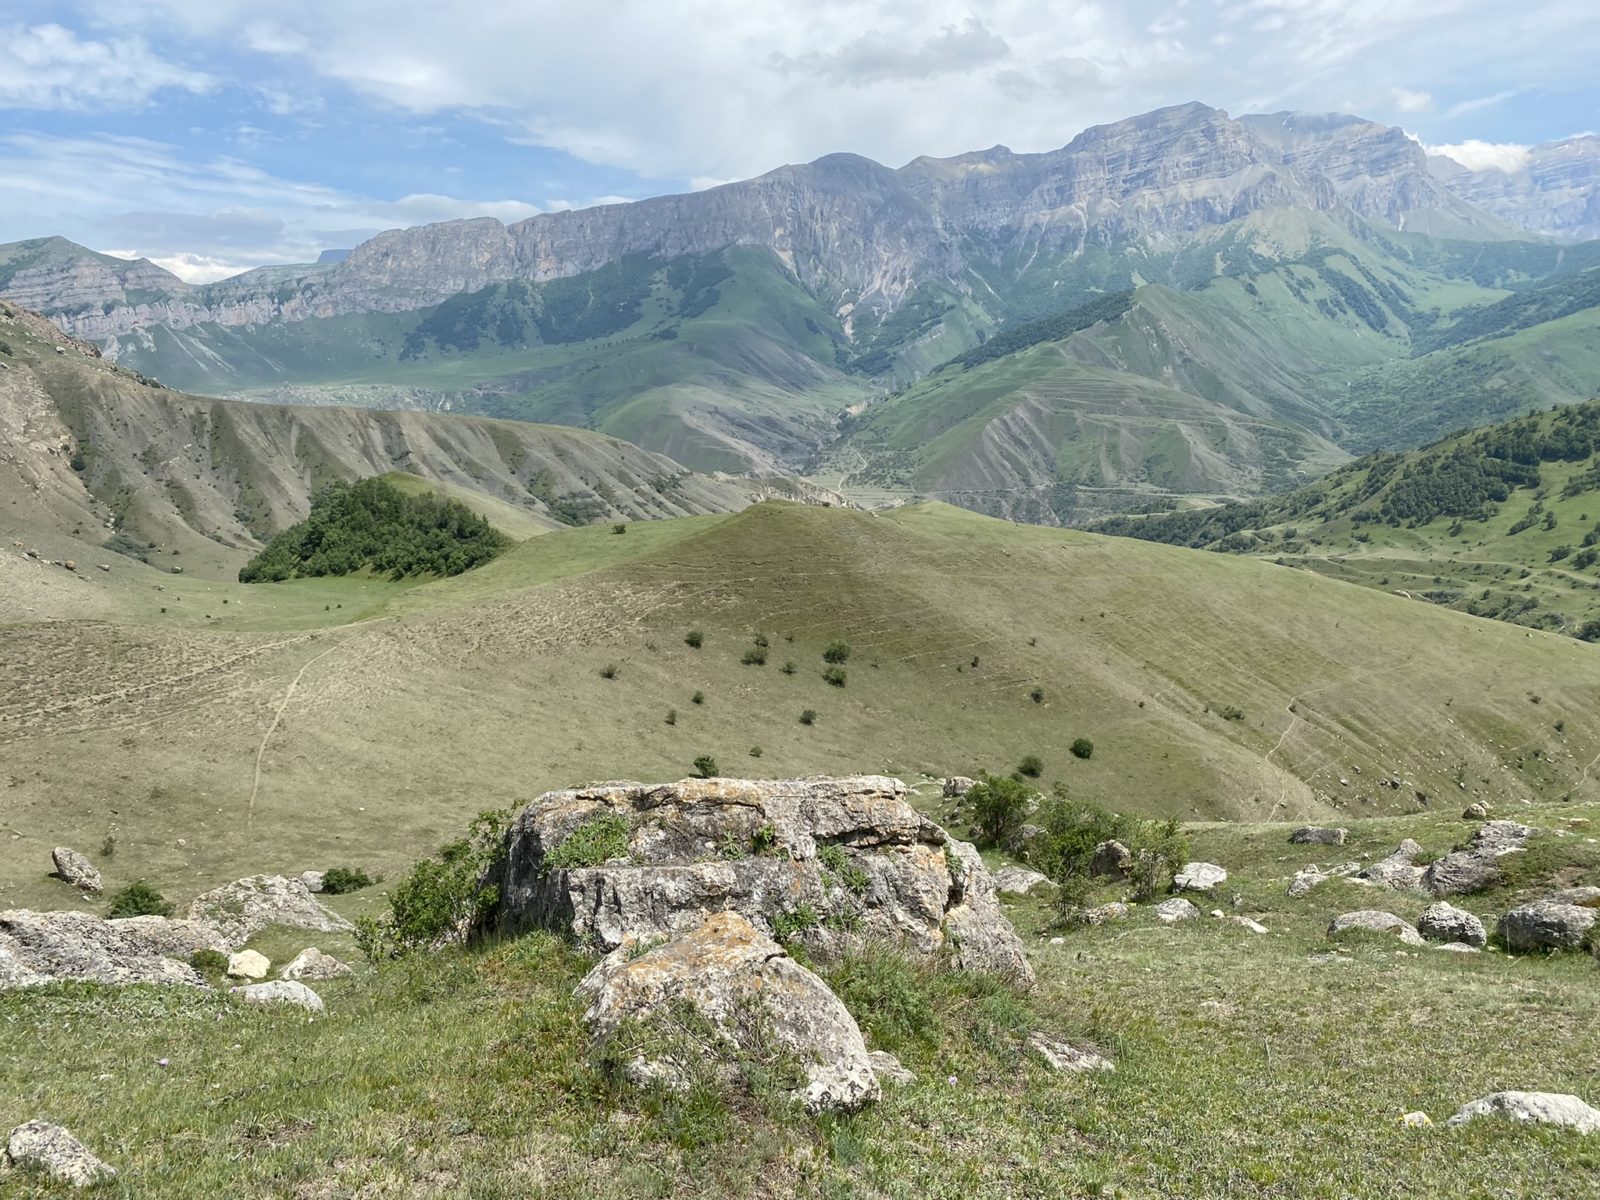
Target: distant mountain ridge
<point x="1555" y="192"/>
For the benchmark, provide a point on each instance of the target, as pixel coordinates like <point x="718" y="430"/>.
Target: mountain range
<point x="1182" y="303"/>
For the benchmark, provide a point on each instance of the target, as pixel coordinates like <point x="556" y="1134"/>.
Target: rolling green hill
<point x="1501" y="522"/>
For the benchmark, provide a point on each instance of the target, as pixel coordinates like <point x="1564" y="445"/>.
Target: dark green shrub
<point x="1082" y="748"/>
<point x="797" y="920"/>
<point x="808" y="716"/>
<point x="592" y="843"/>
<point x="139" y="899"/>
<point x="694" y="638"/>
<point x="1231" y="712"/>
<point x="788" y="668"/>
<point x="1069" y="830"/>
<point x="209" y="962"/>
<point x="705" y="766"/>
<point x="999" y="807"/>
<point x="837" y="652"/>
<point x="336" y="881"/>
<point x="755" y="751"/>
<point x="834" y="676"/>
<point x="755" y="656"/>
<point x="609" y="671"/>
<point x="1032" y="766"/>
<point x="442" y="897"/>
<point x="1037" y="695"/>
<point x="761" y="640"/>
<point x="619" y="528"/>
<point x="698" y="698"/>
<point x="672" y="716"/>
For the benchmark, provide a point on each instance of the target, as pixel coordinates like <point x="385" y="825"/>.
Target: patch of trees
<point x="1047" y="329"/>
<point x="373" y="525"/>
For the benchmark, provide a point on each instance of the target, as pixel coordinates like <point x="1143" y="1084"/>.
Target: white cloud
<point x="1408" y="101"/>
<point x="1483" y="156"/>
<point x="49" y="67"/>
<point x="191" y="268"/>
<point x="1480" y="102"/>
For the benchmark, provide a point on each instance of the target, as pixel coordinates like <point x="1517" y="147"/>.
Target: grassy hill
<point x="1501" y="522"/>
<point x="1210" y="685"/>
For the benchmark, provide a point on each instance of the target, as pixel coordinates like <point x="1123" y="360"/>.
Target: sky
<point x="217" y="135"/>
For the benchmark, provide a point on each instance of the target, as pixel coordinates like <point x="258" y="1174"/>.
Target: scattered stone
<point x="1100" y="914"/>
<point x="1247" y="923"/>
<point x="75" y="869"/>
<point x="1018" y="880"/>
<point x="43" y="947"/>
<point x="1067" y="1058"/>
<point x="1313" y="835"/>
<point x="889" y="1069"/>
<point x="1550" y="923"/>
<point x="1398" y="871"/>
<point x="1542" y="1108"/>
<point x="245" y="907"/>
<point x="743" y="984"/>
<point x="314" y="965"/>
<point x="1444" y="922"/>
<point x="279" y="991"/>
<point x="1475" y="867"/>
<point x="248" y="964"/>
<point x="1373" y="921"/>
<point x="1111" y="858"/>
<point x="958" y="786"/>
<point x="1479" y="810"/>
<point x="1177" y="909"/>
<point x="1416" y="1120"/>
<point x="1459" y="948"/>
<point x="1198" y="877"/>
<point x="1314" y="876"/>
<point x="915" y="884"/>
<point x="41" y="1146"/>
<point x="313" y="881"/>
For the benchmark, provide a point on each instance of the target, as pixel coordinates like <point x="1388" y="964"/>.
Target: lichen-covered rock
<point x="1313" y="835"/>
<point x="1476" y="866"/>
<point x="1199" y="877"/>
<point x="1398" y="871"/>
<point x="1313" y="875"/>
<point x="1018" y="881"/>
<point x="1169" y="912"/>
<point x="750" y="992"/>
<point x="890" y="1069"/>
<point x="1063" y="1057"/>
<point x="39" y="947"/>
<point x="1540" y="1108"/>
<point x="1550" y="923"/>
<point x="1101" y="913"/>
<point x="313" y="880"/>
<point x="245" y="907"/>
<point x="1480" y="810"/>
<point x="313" y="964"/>
<point x="279" y="991"/>
<point x="957" y="786"/>
<point x="41" y="1146"/>
<point x="74" y="868"/>
<point x="1444" y="922"/>
<point x="849" y="856"/>
<point x="248" y="964"/>
<point x="1111" y="859"/>
<point x="1372" y="921"/>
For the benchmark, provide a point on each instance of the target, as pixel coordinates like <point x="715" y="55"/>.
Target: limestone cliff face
<point x="1557" y="192"/>
<point x="850" y="229"/>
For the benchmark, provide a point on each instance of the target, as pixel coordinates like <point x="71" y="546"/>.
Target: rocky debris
<point x="314" y="965"/>
<point x="1111" y="859"/>
<point x="279" y="991"/>
<point x="74" y="868"/>
<point x="1198" y="877"/>
<point x="958" y="786"/>
<point x="1459" y="948"/>
<point x="313" y="881"/>
<point x="1313" y="835"/>
<point x="1373" y="921"/>
<point x="1169" y="912"/>
<point x="1560" y="921"/>
<point x="1067" y="1058"/>
<point x="849" y="852"/>
<point x="1475" y="867"/>
<point x="1100" y="914"/>
<point x="40" y="947"/>
<point x="1313" y="875"/>
<point x="248" y="964"/>
<point x="1018" y="880"/>
<point x="1398" y="871"/>
<point x="1444" y="922"/>
<point x="1247" y="923"/>
<point x="1542" y="1108"/>
<point x="751" y="993"/>
<point x="245" y="907"/>
<point x="41" y="1146"/>
<point x="1480" y="810"/>
<point x="889" y="1069"/>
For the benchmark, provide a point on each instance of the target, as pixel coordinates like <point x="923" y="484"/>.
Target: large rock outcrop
<point x="41" y="947"/>
<point x="1476" y="866"/>
<point x="752" y="995"/>
<point x="245" y="907"/>
<point x="824" y="860"/>
<point x="1560" y="921"/>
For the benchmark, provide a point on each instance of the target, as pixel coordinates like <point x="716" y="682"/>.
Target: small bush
<point x="788" y="668"/>
<point x="838" y="864"/>
<point x="705" y="766"/>
<point x="609" y="671"/>
<point x="592" y="843"/>
<point x="755" y="751"/>
<point x="786" y="925"/>
<point x="837" y="652"/>
<point x="1032" y="766"/>
<point x="755" y="656"/>
<point x="1037" y="695"/>
<point x="442" y="897"/>
<point x="1231" y="712"/>
<point x="139" y="899"/>
<point x="763" y="839"/>
<point x="108" y="848"/>
<point x="835" y="676"/>
<point x="698" y="698"/>
<point x="672" y="716"/>
<point x="336" y="881"/>
<point x="999" y="807"/>
<point x="808" y="716"/>
<point x="619" y="528"/>
<point x="1082" y="748"/>
<point x="761" y="640"/>
<point x="1071" y="828"/>
<point x="694" y="639"/>
<point x="209" y="962"/>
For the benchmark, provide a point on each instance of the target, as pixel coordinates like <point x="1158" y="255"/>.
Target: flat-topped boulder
<point x="1476" y="866"/>
<point x="1398" y="871"/>
<point x="1560" y="921"/>
<point x="1532" y="1108"/>
<point x="245" y="907"/>
<point x="1444" y="922"/>
<point x="42" y="947"/>
<point x="821" y="860"/>
<point x="1199" y="877"/>
<point x="1316" y="835"/>
<point x="1369" y="920"/>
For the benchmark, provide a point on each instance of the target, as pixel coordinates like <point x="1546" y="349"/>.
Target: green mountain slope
<point x="1501" y="522"/>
